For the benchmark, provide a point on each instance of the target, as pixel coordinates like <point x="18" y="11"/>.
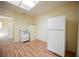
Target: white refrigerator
<point x="56" y="35"/>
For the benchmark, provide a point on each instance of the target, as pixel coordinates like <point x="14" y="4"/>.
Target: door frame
<point x="11" y="19"/>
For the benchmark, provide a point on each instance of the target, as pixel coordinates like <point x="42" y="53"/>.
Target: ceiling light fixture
<point x="28" y="5"/>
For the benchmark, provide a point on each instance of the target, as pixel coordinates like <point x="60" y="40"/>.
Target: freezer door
<point x="56" y="22"/>
<point x="56" y="42"/>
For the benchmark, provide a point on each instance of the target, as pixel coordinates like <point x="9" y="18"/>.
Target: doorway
<point x="6" y="29"/>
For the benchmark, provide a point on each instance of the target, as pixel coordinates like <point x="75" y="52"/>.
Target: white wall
<point x="32" y="29"/>
<point x="42" y="29"/>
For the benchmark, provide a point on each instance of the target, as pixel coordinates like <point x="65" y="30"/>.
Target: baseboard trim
<point x="42" y="40"/>
<point x="55" y="53"/>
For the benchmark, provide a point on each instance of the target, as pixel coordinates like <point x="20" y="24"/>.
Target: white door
<point x="10" y="29"/>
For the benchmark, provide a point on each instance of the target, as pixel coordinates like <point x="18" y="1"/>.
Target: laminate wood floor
<point x="34" y="48"/>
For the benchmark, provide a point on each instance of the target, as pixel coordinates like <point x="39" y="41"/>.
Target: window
<point x="28" y="5"/>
